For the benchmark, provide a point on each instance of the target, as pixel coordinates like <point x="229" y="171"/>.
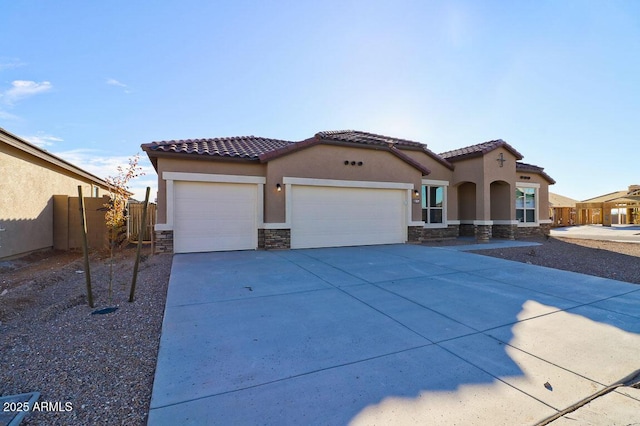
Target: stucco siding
<point x="27" y="188"/>
<point x="200" y="166"/>
<point x="438" y="170"/>
<point x="328" y="162"/>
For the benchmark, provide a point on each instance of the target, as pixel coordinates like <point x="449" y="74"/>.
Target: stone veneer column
<point x="545" y="228"/>
<point x="163" y="242"/>
<point x="277" y="239"/>
<point x="482" y="233"/>
<point x="414" y="234"/>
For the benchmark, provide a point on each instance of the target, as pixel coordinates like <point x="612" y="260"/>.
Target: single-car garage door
<point x="324" y="216"/>
<point x="214" y="217"/>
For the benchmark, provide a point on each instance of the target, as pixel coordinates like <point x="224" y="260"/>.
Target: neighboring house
<point x="339" y="188"/>
<point x="31" y="177"/>
<point x="562" y="210"/>
<point x="620" y="207"/>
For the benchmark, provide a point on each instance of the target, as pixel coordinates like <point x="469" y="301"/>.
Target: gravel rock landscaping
<point x="607" y="259"/>
<point x="103" y="365"/>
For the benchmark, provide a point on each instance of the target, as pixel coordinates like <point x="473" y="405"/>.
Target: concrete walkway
<point x="620" y="233"/>
<point x="399" y="334"/>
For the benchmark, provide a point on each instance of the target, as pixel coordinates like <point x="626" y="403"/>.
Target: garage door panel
<point x="214" y="217"/>
<point x="333" y="217"/>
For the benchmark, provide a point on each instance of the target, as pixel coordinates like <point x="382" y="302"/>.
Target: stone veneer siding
<point x="163" y="242"/>
<point x="467" y="230"/>
<point x="281" y="238"/>
<point x="483" y="232"/>
<point x="507" y="232"/>
<point x="530" y="231"/>
<point x="418" y="234"/>
<point x="270" y="239"/>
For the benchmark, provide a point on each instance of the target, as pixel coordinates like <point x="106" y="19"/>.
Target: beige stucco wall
<point x="483" y="171"/>
<point x="27" y="186"/>
<point x="438" y="172"/>
<point x="502" y="202"/>
<point x="327" y="162"/>
<point x="379" y="165"/>
<point x="200" y="166"/>
<point x="470" y="170"/>
<point x="317" y="162"/>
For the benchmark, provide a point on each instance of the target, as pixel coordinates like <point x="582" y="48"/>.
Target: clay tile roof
<point x="479" y="150"/>
<point x="524" y="167"/>
<point x="356" y="136"/>
<point x="247" y="147"/>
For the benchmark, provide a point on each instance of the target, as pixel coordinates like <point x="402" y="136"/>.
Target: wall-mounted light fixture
<point x="416" y="196"/>
<point x="278" y="187"/>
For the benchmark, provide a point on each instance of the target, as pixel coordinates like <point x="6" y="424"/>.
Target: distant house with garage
<point x="340" y="188"/>
<point x="34" y="185"/>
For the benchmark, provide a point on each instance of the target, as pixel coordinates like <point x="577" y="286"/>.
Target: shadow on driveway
<point x="385" y="334"/>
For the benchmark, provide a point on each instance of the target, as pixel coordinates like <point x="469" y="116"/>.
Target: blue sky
<point x="559" y="80"/>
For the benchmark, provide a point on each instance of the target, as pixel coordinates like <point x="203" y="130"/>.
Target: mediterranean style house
<point x="340" y="188"/>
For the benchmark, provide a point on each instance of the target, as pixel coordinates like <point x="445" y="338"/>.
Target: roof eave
<point x="151" y="153"/>
<point x="404" y="157"/>
<point x="289" y="149"/>
<point x="23" y="145"/>
<point x="530" y="168"/>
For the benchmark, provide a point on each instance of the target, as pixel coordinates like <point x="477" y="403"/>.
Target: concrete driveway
<point x="389" y="335"/>
<point x="620" y="233"/>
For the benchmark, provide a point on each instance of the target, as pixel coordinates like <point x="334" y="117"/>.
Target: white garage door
<point x="214" y="217"/>
<point x="334" y="216"/>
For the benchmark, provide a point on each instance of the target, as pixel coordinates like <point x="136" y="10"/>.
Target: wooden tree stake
<point x="140" y="238"/>
<point x="85" y="247"/>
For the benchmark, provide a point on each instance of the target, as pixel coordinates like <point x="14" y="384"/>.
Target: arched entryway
<point x="501" y="209"/>
<point x="500" y="201"/>
<point x="467" y="208"/>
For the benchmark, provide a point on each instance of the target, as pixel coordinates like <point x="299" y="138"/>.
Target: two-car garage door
<point x="323" y="216"/>
<point x="217" y="216"/>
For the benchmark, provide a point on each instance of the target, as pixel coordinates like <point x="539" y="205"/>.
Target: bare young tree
<point x="115" y="216"/>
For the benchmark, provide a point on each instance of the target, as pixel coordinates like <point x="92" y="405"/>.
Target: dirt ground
<point x="607" y="259"/>
<point x="104" y="364"/>
<point x="101" y="365"/>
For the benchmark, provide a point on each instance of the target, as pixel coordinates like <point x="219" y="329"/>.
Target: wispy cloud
<point x="43" y="140"/>
<point x="96" y="163"/>
<point x="116" y="83"/>
<point x="10" y="63"/>
<point x="21" y="89"/>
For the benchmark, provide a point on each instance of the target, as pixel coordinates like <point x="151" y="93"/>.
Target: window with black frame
<point x="526" y="205"/>
<point x="433" y="204"/>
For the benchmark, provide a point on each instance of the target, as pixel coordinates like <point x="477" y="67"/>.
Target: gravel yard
<point x="607" y="259"/>
<point x="104" y="364"/>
